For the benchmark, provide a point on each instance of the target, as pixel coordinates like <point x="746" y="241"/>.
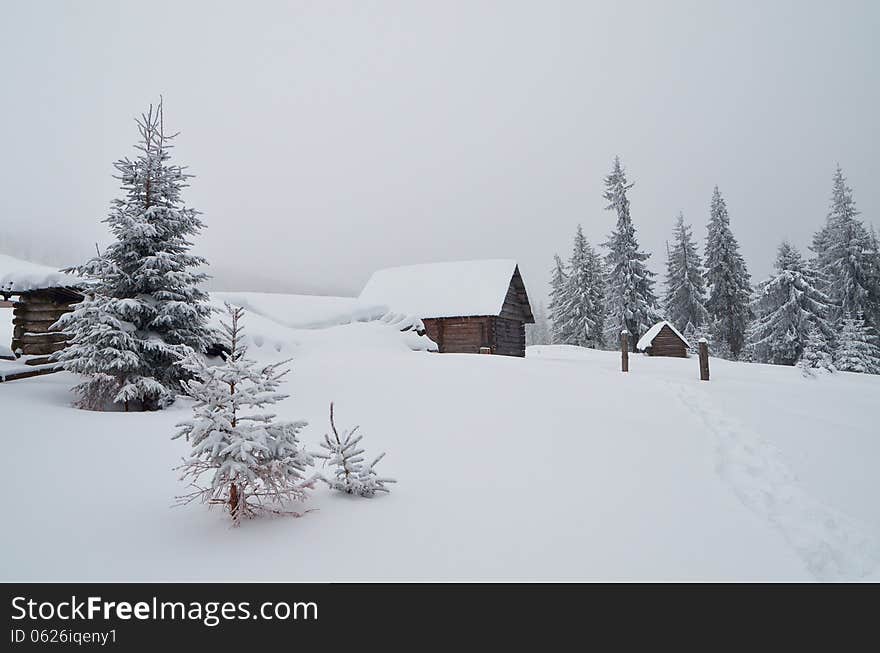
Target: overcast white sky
<point x="333" y="138"/>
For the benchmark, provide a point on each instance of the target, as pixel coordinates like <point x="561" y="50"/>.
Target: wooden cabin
<point x="33" y="316"/>
<point x="41" y="295"/>
<point x="466" y="306"/>
<point x="663" y="339"/>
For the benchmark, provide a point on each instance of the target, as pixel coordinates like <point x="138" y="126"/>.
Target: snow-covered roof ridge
<point x="646" y="340"/>
<point x="17" y="276"/>
<point x="448" y="289"/>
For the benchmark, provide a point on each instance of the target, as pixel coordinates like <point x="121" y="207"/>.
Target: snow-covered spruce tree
<point x="539" y="332"/>
<point x="847" y="256"/>
<point x="818" y="354"/>
<point x="597" y="275"/>
<point x="106" y="351"/>
<point x="630" y="300"/>
<point x="105" y="348"/>
<point x="558" y="302"/>
<point x="584" y="310"/>
<point x="695" y="333"/>
<point x="256" y="464"/>
<point x="351" y="475"/>
<point x="150" y="274"/>
<point x="727" y="280"/>
<point x="685" y="300"/>
<point x="788" y="306"/>
<point x="857" y="347"/>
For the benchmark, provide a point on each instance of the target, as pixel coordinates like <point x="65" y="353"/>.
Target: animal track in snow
<point x="834" y="547"/>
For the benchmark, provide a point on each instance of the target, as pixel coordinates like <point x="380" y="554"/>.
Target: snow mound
<point x="18" y="276"/>
<point x="296" y="311"/>
<point x="451" y="289"/>
<point x="278" y="324"/>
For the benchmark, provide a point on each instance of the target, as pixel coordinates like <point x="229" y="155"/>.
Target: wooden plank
<point x="44" y="338"/>
<point x="25" y="374"/>
<point x="29" y="349"/>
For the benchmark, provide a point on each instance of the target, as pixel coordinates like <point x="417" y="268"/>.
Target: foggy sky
<point x="330" y="139"/>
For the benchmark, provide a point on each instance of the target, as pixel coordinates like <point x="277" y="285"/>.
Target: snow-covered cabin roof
<point x="646" y="340"/>
<point x="451" y="289"/>
<point x="17" y="276"/>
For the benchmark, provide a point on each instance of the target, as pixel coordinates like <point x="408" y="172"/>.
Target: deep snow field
<point x="554" y="467"/>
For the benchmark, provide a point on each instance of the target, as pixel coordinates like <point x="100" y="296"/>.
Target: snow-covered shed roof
<point x="451" y="289"/>
<point x="17" y="276"/>
<point x="646" y="340"/>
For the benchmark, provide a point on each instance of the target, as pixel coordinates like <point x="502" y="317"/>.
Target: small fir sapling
<point x="351" y="475"/>
<point x="817" y="354"/>
<point x="257" y="464"/>
<point x="857" y="347"/>
<point x="696" y="333"/>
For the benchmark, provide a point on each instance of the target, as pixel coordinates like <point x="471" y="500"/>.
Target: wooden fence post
<point x="624" y="351"/>
<point x="704" y="359"/>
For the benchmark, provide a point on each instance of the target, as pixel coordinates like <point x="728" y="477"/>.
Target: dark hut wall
<point x="510" y="337"/>
<point x="466" y="335"/>
<point x="33" y="316"/>
<point x="666" y="343"/>
<point x="462" y="335"/>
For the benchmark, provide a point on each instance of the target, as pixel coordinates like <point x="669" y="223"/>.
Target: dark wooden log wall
<point x="465" y="335"/>
<point x="510" y="337"/>
<point x="33" y="316"/>
<point x="666" y="343"/>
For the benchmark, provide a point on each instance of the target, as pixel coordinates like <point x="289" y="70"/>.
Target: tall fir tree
<point x="857" y="347"/>
<point x="598" y="276"/>
<point x="558" y="302"/>
<point x="727" y="281"/>
<point x="685" y="290"/>
<point x="630" y="300"/>
<point x="584" y="310"/>
<point x="846" y="254"/>
<point x="147" y="279"/>
<point x="789" y="306"/>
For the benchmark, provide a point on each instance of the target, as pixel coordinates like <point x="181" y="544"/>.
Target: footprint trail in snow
<point x="834" y="547"/>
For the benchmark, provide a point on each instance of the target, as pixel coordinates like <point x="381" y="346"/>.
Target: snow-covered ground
<point x="556" y="466"/>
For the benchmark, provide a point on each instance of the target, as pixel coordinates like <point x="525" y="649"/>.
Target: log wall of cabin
<point x="510" y="337"/>
<point x="666" y="343"/>
<point x="32" y="318"/>
<point x="465" y="335"/>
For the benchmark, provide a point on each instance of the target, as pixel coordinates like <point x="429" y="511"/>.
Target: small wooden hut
<point x="41" y="295"/>
<point x="466" y="306"/>
<point x="663" y="339"/>
<point x="33" y="316"/>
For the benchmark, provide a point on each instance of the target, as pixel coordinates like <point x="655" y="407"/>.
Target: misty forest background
<point x="821" y="311"/>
